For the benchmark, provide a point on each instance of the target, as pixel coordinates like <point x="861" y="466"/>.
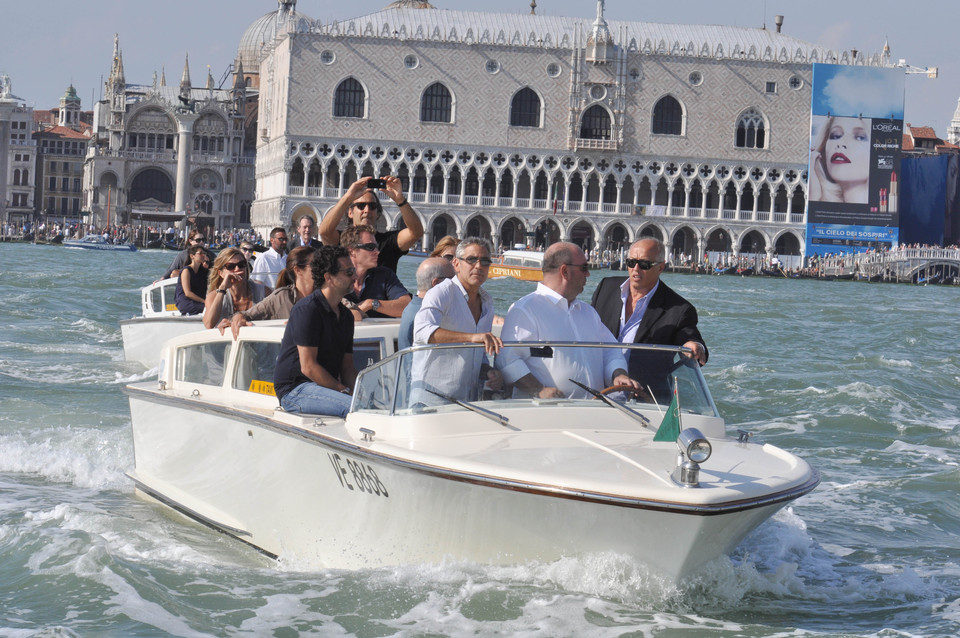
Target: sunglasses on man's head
<point x="364" y="205"/>
<point x="235" y="265"/>
<point x="643" y="264"/>
<point x="484" y="261"/>
<point x="371" y="246"/>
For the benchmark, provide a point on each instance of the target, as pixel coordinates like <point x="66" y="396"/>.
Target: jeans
<point x="310" y="398"/>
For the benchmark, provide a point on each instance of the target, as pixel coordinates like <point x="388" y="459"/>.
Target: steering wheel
<point x="639" y="393"/>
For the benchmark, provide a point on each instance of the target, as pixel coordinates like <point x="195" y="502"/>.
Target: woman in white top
<point x="229" y="288"/>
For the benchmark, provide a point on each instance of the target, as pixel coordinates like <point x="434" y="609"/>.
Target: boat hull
<point x="143" y="337"/>
<point x="321" y="501"/>
<point x="94" y="246"/>
<point x="516" y="272"/>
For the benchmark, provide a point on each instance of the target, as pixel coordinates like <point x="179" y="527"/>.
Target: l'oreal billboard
<point x="856" y="132"/>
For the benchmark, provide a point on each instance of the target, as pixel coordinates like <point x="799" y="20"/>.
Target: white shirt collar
<point x="484" y="295"/>
<point x="555" y="296"/>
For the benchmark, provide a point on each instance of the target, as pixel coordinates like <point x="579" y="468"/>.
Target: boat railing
<point x="157" y="299"/>
<point x="424" y="378"/>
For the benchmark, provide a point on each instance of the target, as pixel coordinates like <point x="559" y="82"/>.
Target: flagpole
<point x="676" y="393"/>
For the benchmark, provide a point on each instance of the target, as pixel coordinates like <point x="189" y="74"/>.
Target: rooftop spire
<point x="116" y="70"/>
<point x="533" y="7"/>
<point x="163" y="76"/>
<point x="210" y="82"/>
<point x="185" y="78"/>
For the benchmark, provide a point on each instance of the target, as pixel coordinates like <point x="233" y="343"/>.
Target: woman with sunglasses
<point x="446" y="248"/>
<point x="294" y="283"/>
<point x="230" y="289"/>
<point x="192" y="282"/>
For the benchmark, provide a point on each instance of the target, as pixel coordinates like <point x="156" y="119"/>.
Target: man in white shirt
<point x="553" y="313"/>
<point x="270" y="263"/>
<point x="457" y="310"/>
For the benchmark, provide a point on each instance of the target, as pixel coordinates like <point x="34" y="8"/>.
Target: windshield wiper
<point x="633" y="414"/>
<point x="489" y="414"/>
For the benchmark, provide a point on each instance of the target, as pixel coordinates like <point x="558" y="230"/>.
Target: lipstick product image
<point x="894" y="192"/>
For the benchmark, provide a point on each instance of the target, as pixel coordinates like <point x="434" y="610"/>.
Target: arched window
<point x="16" y="177"/>
<point x="203" y="204"/>
<point x="668" y="116"/>
<point x="436" y="105"/>
<point x="525" y="108"/>
<point x="595" y="123"/>
<point x="751" y="130"/>
<point x="350" y="99"/>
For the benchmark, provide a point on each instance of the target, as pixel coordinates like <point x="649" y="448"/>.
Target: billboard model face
<point x="856" y="130"/>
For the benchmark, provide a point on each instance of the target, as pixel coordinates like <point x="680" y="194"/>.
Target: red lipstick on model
<point x="839" y="158"/>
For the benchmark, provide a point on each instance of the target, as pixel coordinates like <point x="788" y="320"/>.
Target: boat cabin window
<point x="367" y="352"/>
<point x="203" y="363"/>
<point x="156" y="299"/>
<point x="255" y="365"/>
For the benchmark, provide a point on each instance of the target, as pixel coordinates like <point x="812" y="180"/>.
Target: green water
<point x="861" y="380"/>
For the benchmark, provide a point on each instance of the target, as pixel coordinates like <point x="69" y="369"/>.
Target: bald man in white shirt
<point x="553" y="313"/>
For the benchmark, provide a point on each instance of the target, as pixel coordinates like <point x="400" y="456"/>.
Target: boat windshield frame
<point x="688" y="362"/>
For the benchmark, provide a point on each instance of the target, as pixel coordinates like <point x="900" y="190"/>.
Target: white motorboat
<point x="428" y="465"/>
<point x="160" y="321"/>
<point x="97" y="242"/>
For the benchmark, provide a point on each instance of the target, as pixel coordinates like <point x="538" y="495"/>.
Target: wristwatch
<point x="375" y="304"/>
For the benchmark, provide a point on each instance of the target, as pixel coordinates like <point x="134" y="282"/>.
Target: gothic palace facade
<point x="529" y="128"/>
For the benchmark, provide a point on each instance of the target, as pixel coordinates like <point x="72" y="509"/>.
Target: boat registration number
<point x="262" y="387"/>
<point x="354" y="475"/>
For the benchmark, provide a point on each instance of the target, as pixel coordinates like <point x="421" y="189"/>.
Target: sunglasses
<point x="246" y="250"/>
<point x="643" y="264"/>
<point x="584" y="267"/>
<point x="484" y="261"/>
<point x="448" y="256"/>
<point x="365" y="205"/>
<point x="372" y="247"/>
<point x="349" y="272"/>
<point x="235" y="265"/>
<point x="198" y="240"/>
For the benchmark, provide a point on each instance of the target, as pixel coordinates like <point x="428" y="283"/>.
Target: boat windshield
<point x="424" y="378"/>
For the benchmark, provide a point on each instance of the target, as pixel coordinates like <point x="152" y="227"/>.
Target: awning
<point x="171" y="216"/>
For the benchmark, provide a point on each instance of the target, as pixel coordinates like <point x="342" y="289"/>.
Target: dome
<point x="262" y="32"/>
<point x="409" y="4"/>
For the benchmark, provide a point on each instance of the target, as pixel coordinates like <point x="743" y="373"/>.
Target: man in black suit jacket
<point x="304" y="236"/>
<point x="663" y="317"/>
<point x="654" y="314"/>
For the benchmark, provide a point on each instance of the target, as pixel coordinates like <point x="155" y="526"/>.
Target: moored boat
<point x="525" y="265"/>
<point x="427" y="465"/>
<point x="97" y="242"/>
<point x="159" y="321"/>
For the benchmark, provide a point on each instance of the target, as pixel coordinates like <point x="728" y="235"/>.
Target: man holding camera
<point x="361" y="204"/>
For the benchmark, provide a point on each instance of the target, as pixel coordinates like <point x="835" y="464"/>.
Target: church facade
<point x="529" y="129"/>
<point x="157" y="148"/>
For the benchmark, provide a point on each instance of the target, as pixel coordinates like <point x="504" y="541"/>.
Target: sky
<point x="47" y="44"/>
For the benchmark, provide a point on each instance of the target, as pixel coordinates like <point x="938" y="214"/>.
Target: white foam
<point x="88" y="458"/>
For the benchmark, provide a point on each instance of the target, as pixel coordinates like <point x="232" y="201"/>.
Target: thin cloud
<point x="861" y="91"/>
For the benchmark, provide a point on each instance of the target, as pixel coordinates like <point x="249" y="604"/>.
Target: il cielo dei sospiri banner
<point x="856" y="132"/>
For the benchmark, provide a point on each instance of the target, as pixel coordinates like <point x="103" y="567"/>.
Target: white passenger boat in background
<point x="414" y="475"/>
<point x="97" y="242"/>
<point x="159" y="321"/>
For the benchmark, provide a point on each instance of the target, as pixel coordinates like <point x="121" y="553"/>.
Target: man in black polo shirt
<point x="315" y="370"/>
<point x="363" y="207"/>
<point x="377" y="291"/>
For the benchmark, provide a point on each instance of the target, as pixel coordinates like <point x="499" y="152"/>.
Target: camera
<point x="377" y="182"/>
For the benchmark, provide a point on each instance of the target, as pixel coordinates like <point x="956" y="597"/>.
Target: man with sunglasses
<point x="642" y="309"/>
<point x="315" y="370"/>
<point x="271" y="262"/>
<point x="196" y="238"/>
<point x="362" y="206"/>
<point x="458" y="310"/>
<point x="377" y="291"/>
<point x="553" y="313"/>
